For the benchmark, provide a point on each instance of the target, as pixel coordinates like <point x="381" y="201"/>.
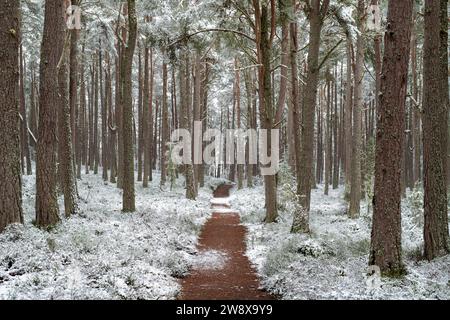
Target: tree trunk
<point x="47" y="210"/>
<point x="164" y="127"/>
<point x="305" y="161"/>
<point x="91" y="121"/>
<point x="82" y="131"/>
<point x="73" y="94"/>
<point x="435" y="104"/>
<point x="96" y="151"/>
<point x="140" y="149"/>
<point x="336" y="147"/>
<point x="386" y="248"/>
<point x="146" y="117"/>
<point x="33" y="105"/>
<point x="355" y="179"/>
<point x="284" y="19"/>
<point x="127" y="105"/>
<point x="204" y="115"/>
<point x="23" y="110"/>
<point x="328" y="138"/>
<point x="65" y="149"/>
<point x="10" y="173"/>
<point x="264" y="43"/>
<point x="249" y="94"/>
<point x="240" y="166"/>
<point x="104" y="112"/>
<point x="416" y="134"/>
<point x="185" y="124"/>
<point x="348" y="121"/>
<point x="319" y="142"/>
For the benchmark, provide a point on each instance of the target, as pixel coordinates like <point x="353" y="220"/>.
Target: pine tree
<point x="47" y="210"/>
<point x="318" y="12"/>
<point x="435" y="112"/>
<point x="129" y="204"/>
<point x="386" y="247"/>
<point x="10" y="173"/>
<point x="355" y="178"/>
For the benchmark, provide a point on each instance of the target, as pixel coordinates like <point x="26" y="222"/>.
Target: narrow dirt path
<point x="223" y="272"/>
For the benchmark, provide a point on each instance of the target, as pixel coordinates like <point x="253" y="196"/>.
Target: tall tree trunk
<point x="435" y="111"/>
<point x="140" y="148"/>
<point x="386" y="248"/>
<point x="204" y="115"/>
<point x="23" y="110"/>
<point x="355" y="179"/>
<point x="146" y="118"/>
<point x="264" y="43"/>
<point x="164" y="127"/>
<point x="348" y="121"/>
<point x="10" y="173"/>
<point x="197" y="103"/>
<point x="336" y="134"/>
<point x="151" y="120"/>
<point x="328" y="138"/>
<point x="47" y="210"/>
<point x="305" y="161"/>
<point x="284" y="19"/>
<point x="33" y="105"/>
<point x="185" y="124"/>
<point x="240" y="166"/>
<point x="248" y="89"/>
<point x="104" y="124"/>
<point x="82" y="131"/>
<point x="129" y="204"/>
<point x="96" y="151"/>
<point x="91" y="121"/>
<point x="73" y="92"/>
<point x="112" y="125"/>
<point x="416" y="134"/>
<point x="319" y="143"/>
<point x="65" y="149"/>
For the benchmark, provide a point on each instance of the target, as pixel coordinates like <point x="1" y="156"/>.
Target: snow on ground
<point x="103" y="253"/>
<point x="332" y="262"/>
<point x="210" y="260"/>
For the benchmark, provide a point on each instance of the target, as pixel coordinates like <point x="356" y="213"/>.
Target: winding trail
<point x="223" y="272"/>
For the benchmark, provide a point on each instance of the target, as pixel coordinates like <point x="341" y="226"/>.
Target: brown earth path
<point x="235" y="278"/>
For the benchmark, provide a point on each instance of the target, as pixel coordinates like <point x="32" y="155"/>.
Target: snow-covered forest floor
<point x="333" y="262"/>
<point x="106" y="254"/>
<point x="103" y="253"/>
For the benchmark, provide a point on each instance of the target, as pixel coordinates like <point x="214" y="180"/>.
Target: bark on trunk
<point x="47" y="210"/>
<point x="25" y="141"/>
<point x="164" y="128"/>
<point x="435" y="102"/>
<point x="305" y="161"/>
<point x="129" y="204"/>
<point x="146" y="117"/>
<point x="10" y="173"/>
<point x="355" y="181"/>
<point x="65" y="149"/>
<point x="386" y="248"/>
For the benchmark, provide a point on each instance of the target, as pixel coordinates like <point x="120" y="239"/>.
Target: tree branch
<point x="185" y="37"/>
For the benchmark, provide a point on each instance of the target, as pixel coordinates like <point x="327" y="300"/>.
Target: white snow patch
<point x="210" y="260"/>
<point x="220" y="202"/>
